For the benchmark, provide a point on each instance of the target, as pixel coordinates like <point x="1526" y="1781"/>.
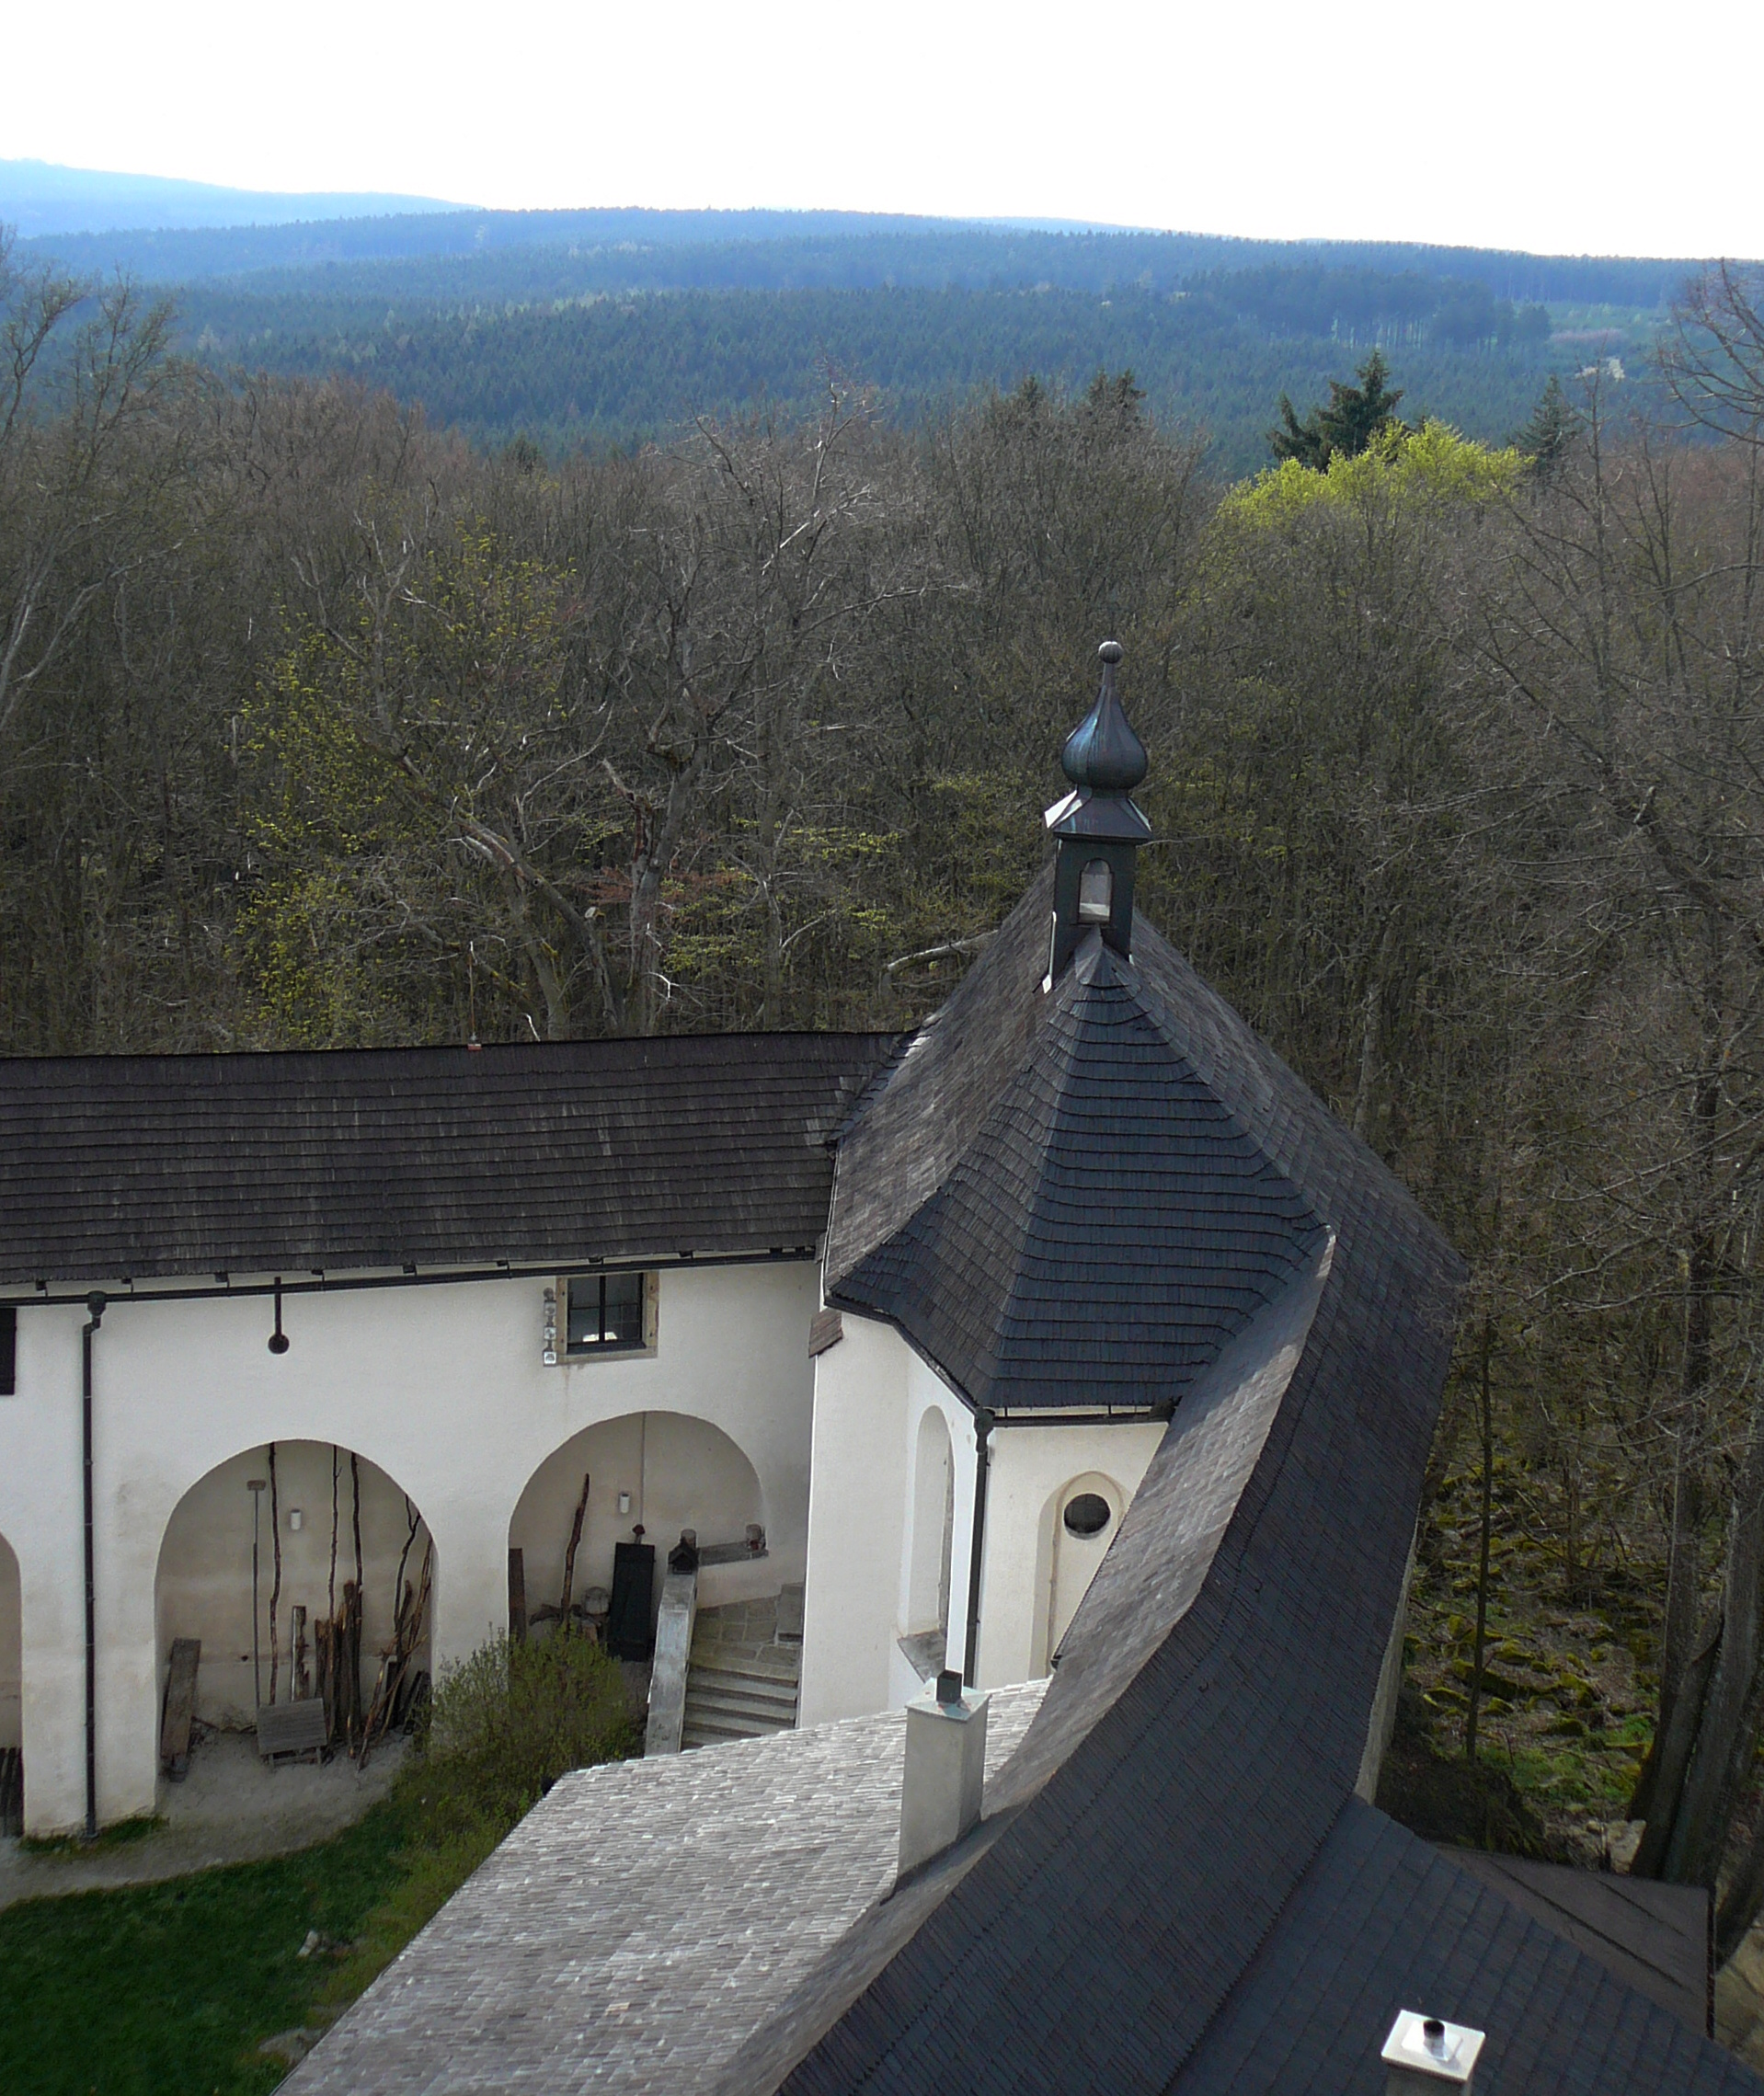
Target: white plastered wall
<point x="871" y="1393"/>
<point x="1031" y="1468"/>
<point x="10" y="1713"/>
<point x="441" y="1387"/>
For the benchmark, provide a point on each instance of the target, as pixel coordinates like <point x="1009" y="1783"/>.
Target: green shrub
<point x="506" y="1723"/>
<point x="502" y="1728"/>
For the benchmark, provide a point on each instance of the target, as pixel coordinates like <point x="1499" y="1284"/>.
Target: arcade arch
<point x="656" y="1471"/>
<point x="318" y="1506"/>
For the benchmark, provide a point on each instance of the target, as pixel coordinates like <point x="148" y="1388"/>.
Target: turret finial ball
<point x="1110" y="651"/>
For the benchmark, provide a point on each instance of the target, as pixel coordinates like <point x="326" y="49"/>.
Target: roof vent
<point x="945" y="1769"/>
<point x="1427" y="2056"/>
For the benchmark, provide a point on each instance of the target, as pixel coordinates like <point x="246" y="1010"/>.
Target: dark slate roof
<point x="1178" y="1891"/>
<point x="1658" y="1938"/>
<point x="1381" y="1920"/>
<point x="1050" y="1198"/>
<point x="140" y="1166"/>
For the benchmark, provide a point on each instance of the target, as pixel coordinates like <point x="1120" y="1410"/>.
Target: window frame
<point x="603" y="1350"/>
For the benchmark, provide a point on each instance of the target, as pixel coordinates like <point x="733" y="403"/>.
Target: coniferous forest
<point x="322" y="725"/>
<point x="572" y="330"/>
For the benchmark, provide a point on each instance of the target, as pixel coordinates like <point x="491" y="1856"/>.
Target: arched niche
<point x="934" y="1525"/>
<point x="203" y="1587"/>
<point x="1080" y="1520"/>
<point x="673" y="1471"/>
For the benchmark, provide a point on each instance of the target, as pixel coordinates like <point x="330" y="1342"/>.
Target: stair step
<point x="738" y="1700"/>
<point x="709" y="1732"/>
<point x="764" y="1710"/>
<point x="786" y="1666"/>
<point x="746" y="1684"/>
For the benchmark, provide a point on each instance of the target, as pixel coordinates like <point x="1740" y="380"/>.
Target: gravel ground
<point x="231" y="1808"/>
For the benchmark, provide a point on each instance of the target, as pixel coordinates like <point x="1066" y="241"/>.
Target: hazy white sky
<point x="1612" y="128"/>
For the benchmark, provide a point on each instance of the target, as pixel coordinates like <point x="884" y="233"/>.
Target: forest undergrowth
<point x="1569" y="1681"/>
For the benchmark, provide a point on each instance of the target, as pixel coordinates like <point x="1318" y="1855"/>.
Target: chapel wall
<point x="442" y="1387"/>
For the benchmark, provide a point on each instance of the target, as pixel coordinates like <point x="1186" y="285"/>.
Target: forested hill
<point x="611" y="370"/>
<point x="604" y="329"/>
<point x="496" y="255"/>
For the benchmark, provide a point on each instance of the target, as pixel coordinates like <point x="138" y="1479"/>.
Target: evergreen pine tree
<point x="1356" y="414"/>
<point x="1545" y="440"/>
<point x="1301" y="440"/>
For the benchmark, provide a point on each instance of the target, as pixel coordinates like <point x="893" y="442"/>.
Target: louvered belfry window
<point x="1096" y="893"/>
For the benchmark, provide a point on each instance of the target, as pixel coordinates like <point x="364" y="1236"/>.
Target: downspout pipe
<point x="95" y="1304"/>
<point x="982" y="1466"/>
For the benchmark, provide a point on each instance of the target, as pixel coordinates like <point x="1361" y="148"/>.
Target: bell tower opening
<point x="1097" y="828"/>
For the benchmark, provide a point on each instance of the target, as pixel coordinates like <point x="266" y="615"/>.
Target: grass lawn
<point x="169" y="1989"/>
<point x="151" y="1989"/>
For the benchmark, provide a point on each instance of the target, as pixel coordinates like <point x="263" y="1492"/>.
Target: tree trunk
<point x="1679" y="1640"/>
<point x="1487" y="1407"/>
<point x="1725" y="1741"/>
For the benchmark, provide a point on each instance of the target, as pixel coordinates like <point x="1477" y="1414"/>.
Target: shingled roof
<point x="642" y="1919"/>
<point x="1050" y="1200"/>
<point x="1176" y="1888"/>
<point x="118" y="1167"/>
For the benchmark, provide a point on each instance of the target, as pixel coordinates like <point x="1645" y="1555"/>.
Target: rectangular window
<point x="8" y="1352"/>
<point x="609" y="1313"/>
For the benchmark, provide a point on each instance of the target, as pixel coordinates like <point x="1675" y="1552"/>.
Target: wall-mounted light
<point x="625" y="1503"/>
<point x="295" y="1518"/>
<point x="551" y="1328"/>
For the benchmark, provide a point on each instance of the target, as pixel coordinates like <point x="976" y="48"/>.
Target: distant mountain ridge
<point x="454" y="254"/>
<point x="616" y="325"/>
<point x="42" y="198"/>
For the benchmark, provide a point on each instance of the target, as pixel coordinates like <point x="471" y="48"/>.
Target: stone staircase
<point x="742" y="1675"/>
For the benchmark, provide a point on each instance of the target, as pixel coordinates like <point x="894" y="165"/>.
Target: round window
<point x="1087" y="1515"/>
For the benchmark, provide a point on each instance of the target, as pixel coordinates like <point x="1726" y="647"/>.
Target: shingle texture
<point x="1654" y="1936"/>
<point x="1187" y="1897"/>
<point x="641" y="1920"/>
<point x="142" y="1166"/>
<point x="1382" y="1920"/>
<point x="1100" y="1221"/>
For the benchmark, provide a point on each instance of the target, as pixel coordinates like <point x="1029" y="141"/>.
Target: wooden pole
<point x="275" y="1591"/>
<point x="569" y="1555"/>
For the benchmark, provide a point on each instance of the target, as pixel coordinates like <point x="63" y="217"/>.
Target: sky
<point x="1584" y="128"/>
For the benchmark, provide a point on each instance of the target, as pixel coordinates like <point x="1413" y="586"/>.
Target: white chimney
<point x="1427" y="2056"/>
<point x="945" y="1767"/>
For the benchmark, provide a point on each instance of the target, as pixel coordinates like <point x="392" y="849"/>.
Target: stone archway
<point x="316" y="1501"/>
